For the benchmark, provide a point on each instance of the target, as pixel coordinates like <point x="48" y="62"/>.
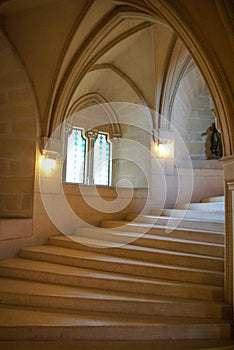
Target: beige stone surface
<point x="72" y="291"/>
<point x="174" y="57"/>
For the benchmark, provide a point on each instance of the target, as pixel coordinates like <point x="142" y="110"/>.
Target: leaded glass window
<point x="75" y="161"/>
<point x="79" y="156"/>
<point x="101" y="166"/>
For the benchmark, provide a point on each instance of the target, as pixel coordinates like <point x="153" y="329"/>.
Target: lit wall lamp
<point x="163" y="147"/>
<point x="49" y="153"/>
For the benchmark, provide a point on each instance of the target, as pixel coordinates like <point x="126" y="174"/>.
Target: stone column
<point x="91" y="135"/>
<point x="228" y="164"/>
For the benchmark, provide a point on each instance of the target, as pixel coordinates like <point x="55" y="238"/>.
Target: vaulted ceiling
<point x="117" y="50"/>
<point x="94" y="47"/>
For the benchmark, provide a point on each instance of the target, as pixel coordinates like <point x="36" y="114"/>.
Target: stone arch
<point x="19" y="130"/>
<point x="150" y="12"/>
<point x="126" y="78"/>
<point x="207" y="61"/>
<point x="83" y="61"/>
<point x="96" y="98"/>
<point x="80" y="101"/>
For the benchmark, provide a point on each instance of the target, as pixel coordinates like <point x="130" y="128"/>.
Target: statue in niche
<point x="213" y="145"/>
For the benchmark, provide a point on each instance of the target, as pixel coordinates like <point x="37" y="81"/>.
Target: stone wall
<point x="132" y="158"/>
<point x="17" y="136"/>
<point x="172" y="185"/>
<point x="192" y="113"/>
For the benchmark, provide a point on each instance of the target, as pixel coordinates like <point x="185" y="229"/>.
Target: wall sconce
<point x="48" y="161"/>
<point x="49" y="155"/>
<point x="162" y="147"/>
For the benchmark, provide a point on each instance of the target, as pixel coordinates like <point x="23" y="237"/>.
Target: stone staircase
<point x="189" y="214"/>
<point x="130" y="283"/>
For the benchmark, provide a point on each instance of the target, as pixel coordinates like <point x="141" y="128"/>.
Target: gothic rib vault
<point x="120" y="50"/>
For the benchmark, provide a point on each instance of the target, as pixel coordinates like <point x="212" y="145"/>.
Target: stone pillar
<point x="91" y="135"/>
<point x="228" y="165"/>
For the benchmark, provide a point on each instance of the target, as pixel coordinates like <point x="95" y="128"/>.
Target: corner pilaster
<point x="228" y="165"/>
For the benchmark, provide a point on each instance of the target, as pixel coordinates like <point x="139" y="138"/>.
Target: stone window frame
<point x="89" y="136"/>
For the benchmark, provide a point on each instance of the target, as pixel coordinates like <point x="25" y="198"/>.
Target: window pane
<point x="75" y="157"/>
<point x="101" y="168"/>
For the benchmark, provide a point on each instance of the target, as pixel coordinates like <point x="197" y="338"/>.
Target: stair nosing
<point x="102" y="274"/>
<point x="118" y="259"/>
<point x="103" y="293"/>
<point x="143" y="248"/>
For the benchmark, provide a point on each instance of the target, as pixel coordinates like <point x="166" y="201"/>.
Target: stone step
<point x="213" y="199"/>
<point x="208" y="206"/>
<point x="39" y="271"/>
<point x="201" y="215"/>
<point x="25" y="324"/>
<point x="172" y="223"/>
<point x="119" y="238"/>
<point x="185" y="344"/>
<point x="54" y="296"/>
<point x="183" y="233"/>
<point x="161" y="256"/>
<point x="84" y="259"/>
<point x="117" y="284"/>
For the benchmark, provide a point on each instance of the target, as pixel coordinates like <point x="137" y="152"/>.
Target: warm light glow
<point x="47" y="164"/>
<point x="163" y="150"/>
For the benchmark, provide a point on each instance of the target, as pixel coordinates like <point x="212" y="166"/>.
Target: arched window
<point x="101" y="161"/>
<point x="76" y="157"/>
<point x="88" y="161"/>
